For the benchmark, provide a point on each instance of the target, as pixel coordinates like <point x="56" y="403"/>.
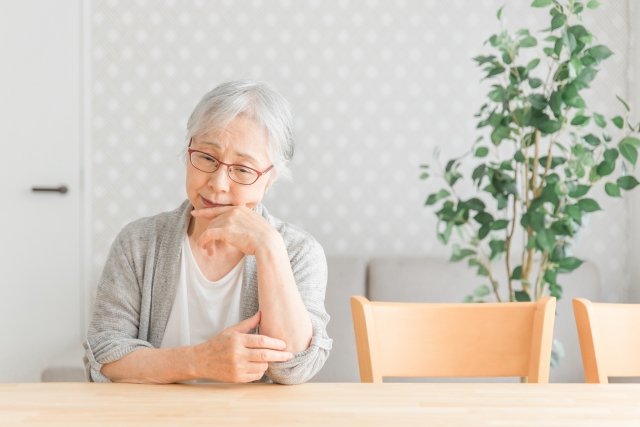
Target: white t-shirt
<point x="202" y="309"/>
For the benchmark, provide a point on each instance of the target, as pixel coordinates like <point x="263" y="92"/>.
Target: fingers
<point x="263" y="341"/>
<point x="257" y="367"/>
<point x="210" y="236"/>
<point x="268" y="356"/>
<point x="246" y="325"/>
<point x="211" y="213"/>
<point x="210" y="247"/>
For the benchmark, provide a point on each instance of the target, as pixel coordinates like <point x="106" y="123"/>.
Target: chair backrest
<point x="609" y="339"/>
<point x="453" y="340"/>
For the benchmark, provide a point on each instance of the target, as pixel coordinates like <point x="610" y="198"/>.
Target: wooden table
<point x="72" y="404"/>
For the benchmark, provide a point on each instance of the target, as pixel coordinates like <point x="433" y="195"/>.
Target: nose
<point x="219" y="180"/>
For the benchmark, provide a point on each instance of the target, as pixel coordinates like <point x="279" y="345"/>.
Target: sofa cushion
<point x="347" y="277"/>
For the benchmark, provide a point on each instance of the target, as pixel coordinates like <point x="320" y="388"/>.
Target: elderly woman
<point x="217" y="289"/>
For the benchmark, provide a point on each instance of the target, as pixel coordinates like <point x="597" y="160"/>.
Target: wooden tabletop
<point x="73" y="404"/>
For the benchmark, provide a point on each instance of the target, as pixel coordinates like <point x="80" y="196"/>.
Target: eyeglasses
<point x="241" y="174"/>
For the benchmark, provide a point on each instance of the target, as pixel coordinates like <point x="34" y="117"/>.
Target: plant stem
<point x="494" y="284"/>
<point x="526" y="270"/>
<point x="543" y="266"/>
<point x="508" y="247"/>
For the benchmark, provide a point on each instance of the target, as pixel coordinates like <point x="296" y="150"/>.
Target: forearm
<point x="284" y="315"/>
<point x="153" y="366"/>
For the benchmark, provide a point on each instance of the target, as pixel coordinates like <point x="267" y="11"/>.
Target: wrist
<point x="272" y="244"/>
<point x="191" y="361"/>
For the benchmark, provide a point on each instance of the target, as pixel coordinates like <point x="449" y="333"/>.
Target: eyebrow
<point x="237" y="153"/>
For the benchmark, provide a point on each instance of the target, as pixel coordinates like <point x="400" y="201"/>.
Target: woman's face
<point x="242" y="143"/>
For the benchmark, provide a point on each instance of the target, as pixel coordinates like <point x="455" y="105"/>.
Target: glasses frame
<point x="191" y="151"/>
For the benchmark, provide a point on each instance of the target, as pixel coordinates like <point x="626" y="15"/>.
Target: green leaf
<point x="587" y="75"/>
<point x="484" y="59"/>
<point x="522" y="296"/>
<point x="433" y="198"/>
<point x="531" y="65"/>
<point x="482" y="151"/>
<point x="575" y="212"/>
<point x="592" y="140"/>
<point x="618" y="121"/>
<point x="535" y="83"/>
<point x="475" y="204"/>
<point x="623" y="103"/>
<point x="569" y="40"/>
<point x="550" y="127"/>
<point x="579" y="191"/>
<point x="483" y="218"/>
<point x="517" y="273"/>
<point x="482" y="290"/>
<point x="612" y="189"/>
<point x="599" y="53"/>
<point x="558" y="21"/>
<point x="497" y="247"/>
<point x="479" y="172"/>
<point x="599" y="119"/>
<point x="627" y="182"/>
<point x="484" y="231"/>
<point x="629" y="152"/>
<point x="593" y="4"/>
<point x="605" y="168"/>
<point x="541" y="3"/>
<point x="461" y="254"/>
<point x="494" y="71"/>
<point x="570" y="263"/>
<point x="546" y="239"/>
<point x="468" y="299"/>
<point x="580" y="120"/>
<point x="588" y="205"/>
<point x="550" y="276"/>
<point x="499" y="13"/>
<point x="528" y="42"/>
<point x="537" y="101"/>
<point x="518" y="157"/>
<point x="502" y="201"/>
<point x="500" y="224"/>
<point x="631" y="141"/>
<point x="610" y="155"/>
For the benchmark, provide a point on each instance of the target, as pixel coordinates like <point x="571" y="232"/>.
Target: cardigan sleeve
<point x="309" y="266"/>
<point x="113" y="330"/>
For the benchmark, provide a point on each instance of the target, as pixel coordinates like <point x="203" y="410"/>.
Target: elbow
<point x="299" y="370"/>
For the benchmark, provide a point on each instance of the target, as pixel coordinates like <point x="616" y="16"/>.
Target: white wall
<point x="634" y="96"/>
<point x="375" y="85"/>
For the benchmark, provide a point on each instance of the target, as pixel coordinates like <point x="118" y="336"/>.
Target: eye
<point x="244" y="170"/>
<point x="206" y="157"/>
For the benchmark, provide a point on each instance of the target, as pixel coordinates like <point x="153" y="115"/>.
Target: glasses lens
<point x="242" y="175"/>
<point x="204" y="162"/>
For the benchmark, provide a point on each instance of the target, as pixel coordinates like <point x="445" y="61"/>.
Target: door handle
<point x="62" y="189"/>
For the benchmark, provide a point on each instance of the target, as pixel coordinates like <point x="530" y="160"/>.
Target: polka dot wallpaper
<point x="375" y="86"/>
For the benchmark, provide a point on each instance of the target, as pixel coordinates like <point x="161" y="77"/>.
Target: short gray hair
<point x="256" y="100"/>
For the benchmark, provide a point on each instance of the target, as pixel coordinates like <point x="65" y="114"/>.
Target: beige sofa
<point x="419" y="279"/>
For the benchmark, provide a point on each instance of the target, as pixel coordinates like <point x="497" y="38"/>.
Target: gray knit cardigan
<point x="138" y="285"/>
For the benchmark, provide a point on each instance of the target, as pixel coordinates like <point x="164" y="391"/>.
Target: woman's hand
<point x="236" y="356"/>
<point x="238" y="226"/>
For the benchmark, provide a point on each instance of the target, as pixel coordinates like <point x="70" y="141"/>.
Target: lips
<point x="208" y="203"/>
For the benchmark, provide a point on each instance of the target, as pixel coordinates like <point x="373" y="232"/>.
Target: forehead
<point x="242" y="137"/>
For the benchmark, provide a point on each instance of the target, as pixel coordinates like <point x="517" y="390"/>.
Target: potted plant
<point x="544" y="151"/>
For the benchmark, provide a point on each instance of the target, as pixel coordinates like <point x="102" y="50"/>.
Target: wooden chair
<point x="609" y="339"/>
<point x="453" y="340"/>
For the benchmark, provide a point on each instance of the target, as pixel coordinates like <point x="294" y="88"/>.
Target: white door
<point x="40" y="280"/>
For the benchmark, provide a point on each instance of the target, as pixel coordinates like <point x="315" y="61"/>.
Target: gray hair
<point x="256" y="100"/>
